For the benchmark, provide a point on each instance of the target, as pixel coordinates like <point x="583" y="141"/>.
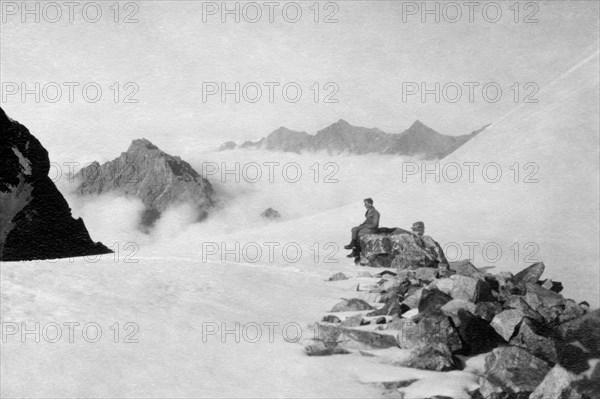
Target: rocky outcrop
<point x="533" y="341"/>
<point x="35" y="219"/>
<point x="342" y="137"/>
<point x="158" y="179"/>
<point x="270" y="214"/>
<point x="399" y="249"/>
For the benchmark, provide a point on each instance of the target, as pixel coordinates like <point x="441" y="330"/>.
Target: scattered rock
<point x="352" y="321"/>
<point x="354" y="338"/>
<point x="512" y="370"/>
<point x="530" y="274"/>
<point x="470" y="289"/>
<point x="412" y="299"/>
<point x="434" y="357"/>
<point x="531" y="336"/>
<point x="320" y="349"/>
<point x="585" y="330"/>
<point x="466" y="268"/>
<point x="384" y="273"/>
<point x="547" y="303"/>
<point x="330" y="318"/>
<point x="271" y="214"/>
<point x="430" y="329"/>
<point x="518" y="303"/>
<point x="338" y="277"/>
<point x="559" y="384"/>
<point x="477" y="334"/>
<point x="348" y="305"/>
<point x="487" y="310"/>
<point x="452" y="307"/>
<point x="548" y="284"/>
<point x="426" y="274"/>
<point x="505" y="323"/>
<point x="572" y="311"/>
<point x="432" y="300"/>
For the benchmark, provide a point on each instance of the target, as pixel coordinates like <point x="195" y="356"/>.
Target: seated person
<point x="370" y="225"/>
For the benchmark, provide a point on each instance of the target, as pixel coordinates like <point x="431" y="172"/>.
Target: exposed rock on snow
<point x="270" y="213"/>
<point x="524" y="328"/>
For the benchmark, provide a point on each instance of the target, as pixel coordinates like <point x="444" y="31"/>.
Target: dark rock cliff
<point x="35" y="219"/>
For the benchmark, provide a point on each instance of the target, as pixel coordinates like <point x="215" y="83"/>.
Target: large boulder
<point x="506" y="322"/>
<point x="534" y="337"/>
<point x="452" y="307"/>
<point x="547" y="303"/>
<point x="401" y="251"/>
<point x="585" y="330"/>
<point x="145" y="172"/>
<point x="35" y="219"/>
<point x="477" y="334"/>
<point x="432" y="301"/>
<point x="470" y="289"/>
<point x="427" y="329"/>
<point x="530" y="274"/>
<point x="512" y="370"/>
<point x="466" y="268"/>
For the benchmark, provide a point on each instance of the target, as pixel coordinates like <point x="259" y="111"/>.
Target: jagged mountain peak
<point x="142" y="144"/>
<point x="146" y="172"/>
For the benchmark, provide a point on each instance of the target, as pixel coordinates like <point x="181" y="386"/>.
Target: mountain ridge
<point x="343" y="137"/>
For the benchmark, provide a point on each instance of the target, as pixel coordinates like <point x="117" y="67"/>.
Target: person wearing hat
<point x="370" y="225"/>
<point x="418" y="228"/>
<point x="428" y="244"/>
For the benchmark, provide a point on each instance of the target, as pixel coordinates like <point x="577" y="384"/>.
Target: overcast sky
<point x="369" y="57"/>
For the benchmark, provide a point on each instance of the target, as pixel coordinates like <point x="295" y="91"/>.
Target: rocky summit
<point x="158" y="179"/>
<point x="342" y="137"/>
<point x="35" y="219"/>
<point x="430" y="313"/>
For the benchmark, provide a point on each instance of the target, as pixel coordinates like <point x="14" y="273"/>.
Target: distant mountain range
<point x="342" y="137"/>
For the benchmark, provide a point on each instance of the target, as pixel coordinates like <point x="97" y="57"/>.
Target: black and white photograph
<point x="300" y="199"/>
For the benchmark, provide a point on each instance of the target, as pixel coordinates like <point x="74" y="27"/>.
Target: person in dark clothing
<point x="434" y="249"/>
<point x="370" y="225"/>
